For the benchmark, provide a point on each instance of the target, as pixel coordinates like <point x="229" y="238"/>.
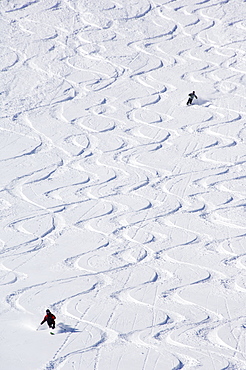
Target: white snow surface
<point x="122" y="208"/>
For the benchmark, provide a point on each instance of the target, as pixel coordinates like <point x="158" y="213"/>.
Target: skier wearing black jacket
<point x="191" y="97"/>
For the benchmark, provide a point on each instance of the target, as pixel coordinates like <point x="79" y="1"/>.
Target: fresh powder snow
<point x="122" y="208"/>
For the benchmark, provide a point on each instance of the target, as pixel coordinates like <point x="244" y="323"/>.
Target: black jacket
<point x="192" y="95"/>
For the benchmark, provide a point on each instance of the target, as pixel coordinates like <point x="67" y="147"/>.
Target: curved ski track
<point x="122" y="209"/>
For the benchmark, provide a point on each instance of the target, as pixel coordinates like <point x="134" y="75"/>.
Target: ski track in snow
<point x="122" y="209"/>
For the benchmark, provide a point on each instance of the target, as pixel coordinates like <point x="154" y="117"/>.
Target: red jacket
<point x="49" y="318"/>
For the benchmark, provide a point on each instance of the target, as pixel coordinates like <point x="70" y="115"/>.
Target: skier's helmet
<point x="47" y="311"/>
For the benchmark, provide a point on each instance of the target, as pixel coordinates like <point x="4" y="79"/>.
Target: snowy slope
<point x="122" y="208"/>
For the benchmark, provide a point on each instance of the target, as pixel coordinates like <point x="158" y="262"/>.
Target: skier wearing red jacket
<point x="50" y="318"/>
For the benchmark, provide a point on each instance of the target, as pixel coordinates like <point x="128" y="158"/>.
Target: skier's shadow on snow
<point x="63" y="328"/>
